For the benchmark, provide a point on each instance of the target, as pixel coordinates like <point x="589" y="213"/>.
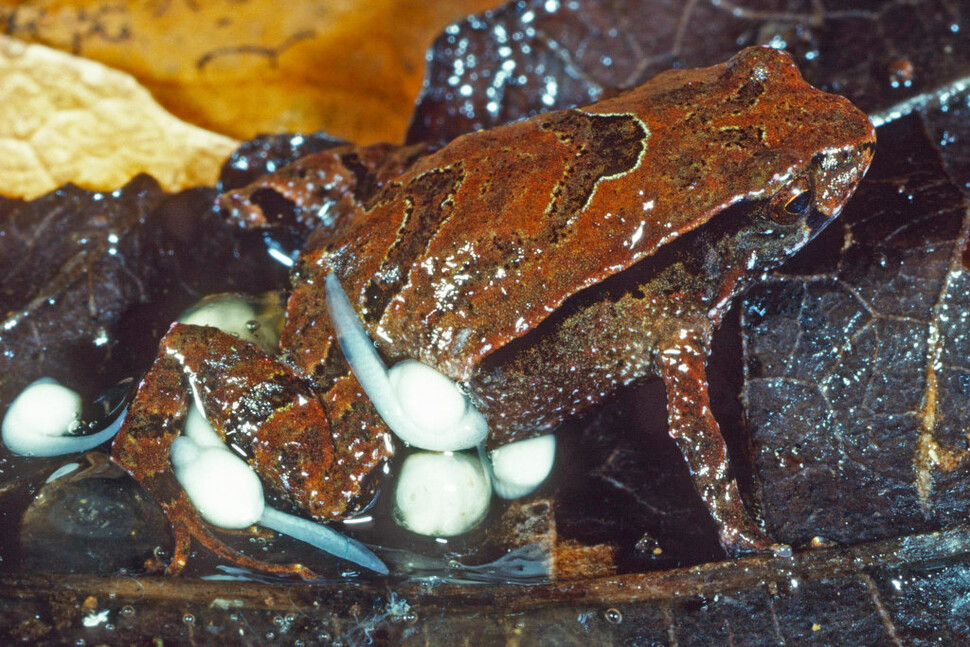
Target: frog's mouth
<point x="817" y="221"/>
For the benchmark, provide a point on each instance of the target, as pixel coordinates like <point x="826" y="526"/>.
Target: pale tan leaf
<point x="68" y="119"/>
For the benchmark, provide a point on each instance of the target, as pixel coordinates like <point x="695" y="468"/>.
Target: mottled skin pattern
<point x="545" y="263"/>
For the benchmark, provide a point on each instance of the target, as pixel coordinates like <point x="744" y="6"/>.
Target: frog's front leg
<point x="683" y="368"/>
<point x="259" y="405"/>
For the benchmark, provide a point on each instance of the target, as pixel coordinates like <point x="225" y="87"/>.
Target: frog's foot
<point x="187" y="525"/>
<point x="693" y="427"/>
<point x="318" y="189"/>
<point x="267" y="412"/>
<point x="747" y="538"/>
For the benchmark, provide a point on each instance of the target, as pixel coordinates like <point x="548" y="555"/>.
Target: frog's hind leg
<point x="141" y="447"/>
<point x="693" y="426"/>
<point x="157" y="416"/>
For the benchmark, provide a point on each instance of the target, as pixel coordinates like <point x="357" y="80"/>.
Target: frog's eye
<point x="794" y="202"/>
<point x="799" y="204"/>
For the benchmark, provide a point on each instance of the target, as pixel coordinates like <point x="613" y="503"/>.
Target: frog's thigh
<point x="157" y="416"/>
<point x="143" y="448"/>
<point x="267" y="409"/>
<point x="692" y="425"/>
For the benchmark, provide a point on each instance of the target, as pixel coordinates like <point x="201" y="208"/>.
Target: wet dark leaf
<point x="266" y="153"/>
<point x="623" y="482"/>
<point x="203" y="254"/>
<point x="72" y="262"/>
<point x="857" y="359"/>
<point x="92" y="520"/>
<point x="537" y="55"/>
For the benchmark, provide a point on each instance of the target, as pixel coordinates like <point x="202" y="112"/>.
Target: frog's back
<point x="479" y="242"/>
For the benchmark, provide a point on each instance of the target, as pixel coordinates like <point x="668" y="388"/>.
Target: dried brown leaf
<point x="352" y="68"/>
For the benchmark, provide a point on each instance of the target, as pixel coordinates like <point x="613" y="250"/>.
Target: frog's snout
<point x="837" y="173"/>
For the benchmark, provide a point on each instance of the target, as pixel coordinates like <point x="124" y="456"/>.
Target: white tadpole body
<point x="441" y="494"/>
<point x="235" y="315"/>
<point x="423" y="407"/>
<point x="199" y="429"/>
<point x="444" y="419"/>
<point x="520" y="467"/>
<point x="222" y="487"/>
<point x="227" y="493"/>
<point x="429" y="398"/>
<point x="39" y="420"/>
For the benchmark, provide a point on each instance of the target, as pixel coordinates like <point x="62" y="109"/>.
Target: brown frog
<point x="540" y="265"/>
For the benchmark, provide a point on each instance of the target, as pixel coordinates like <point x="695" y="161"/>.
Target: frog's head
<point x="814" y="149"/>
<point x="748" y="131"/>
<point x="780" y="224"/>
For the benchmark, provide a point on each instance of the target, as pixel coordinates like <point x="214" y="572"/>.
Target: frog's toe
<point x="738" y="542"/>
<point x="183" y="541"/>
<point x="188" y="525"/>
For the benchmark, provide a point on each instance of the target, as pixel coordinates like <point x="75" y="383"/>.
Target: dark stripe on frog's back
<point x="428" y="202"/>
<point x="594" y="147"/>
<point x="689" y="168"/>
<point x="603" y="146"/>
